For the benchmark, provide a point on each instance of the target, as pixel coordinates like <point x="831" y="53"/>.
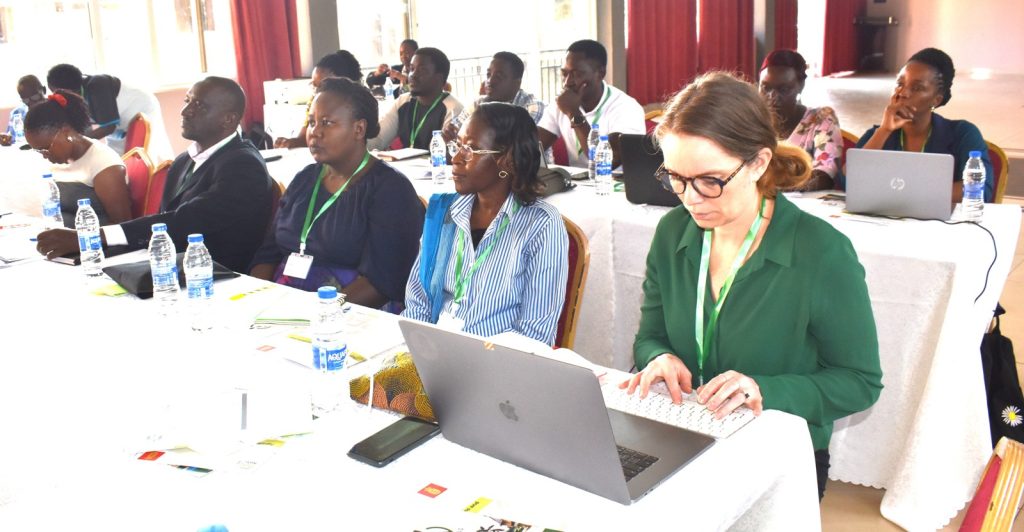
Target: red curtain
<point x="727" y="36"/>
<point x="661" y="55"/>
<point x="841" y="42"/>
<point x="785" y="24"/>
<point x="266" y="48"/>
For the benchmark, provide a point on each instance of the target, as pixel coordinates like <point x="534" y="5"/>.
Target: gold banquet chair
<point x="999" y="491"/>
<point x="579" y="263"/>
<point x="1000" y="169"/>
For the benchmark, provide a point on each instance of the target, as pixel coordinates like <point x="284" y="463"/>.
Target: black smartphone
<point x="393" y="441"/>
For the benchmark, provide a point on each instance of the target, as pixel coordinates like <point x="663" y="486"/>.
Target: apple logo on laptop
<point x="508" y="410"/>
<point x="897" y="184"/>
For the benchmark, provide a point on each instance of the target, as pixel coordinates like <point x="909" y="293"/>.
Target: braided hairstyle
<point x="942" y="64"/>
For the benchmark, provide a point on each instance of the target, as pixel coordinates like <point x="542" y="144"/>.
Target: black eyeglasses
<point x="707" y="186"/>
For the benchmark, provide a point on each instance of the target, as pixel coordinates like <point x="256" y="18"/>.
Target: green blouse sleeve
<point x="849" y="375"/>
<point x="652" y="338"/>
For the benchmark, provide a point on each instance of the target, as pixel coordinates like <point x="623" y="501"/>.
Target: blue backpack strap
<point x="437" y="211"/>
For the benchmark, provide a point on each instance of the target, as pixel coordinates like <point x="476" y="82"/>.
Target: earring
<point x="502" y="174"/>
<point x="69" y="136"/>
<point x="933" y="108"/>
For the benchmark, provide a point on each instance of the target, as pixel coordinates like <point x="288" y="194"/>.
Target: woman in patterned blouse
<point x="816" y="130"/>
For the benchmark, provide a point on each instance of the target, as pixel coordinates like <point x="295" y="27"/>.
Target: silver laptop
<point x="544" y="415"/>
<point x="899" y="183"/>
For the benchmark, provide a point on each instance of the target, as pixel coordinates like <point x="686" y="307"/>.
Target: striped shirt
<point x="520" y="287"/>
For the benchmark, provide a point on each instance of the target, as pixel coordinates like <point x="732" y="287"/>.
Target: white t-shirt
<point x="96" y="159"/>
<point x="619" y="113"/>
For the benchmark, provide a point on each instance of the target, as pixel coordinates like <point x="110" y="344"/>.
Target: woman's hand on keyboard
<point x="666" y="367"/>
<point x="728" y="391"/>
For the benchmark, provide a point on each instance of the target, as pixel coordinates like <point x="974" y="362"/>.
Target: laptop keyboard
<point x="689" y="415"/>
<point x="633" y="461"/>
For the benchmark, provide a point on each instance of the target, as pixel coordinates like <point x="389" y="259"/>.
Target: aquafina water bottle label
<point x="200" y="288"/>
<point x="974" y="190"/>
<point x="51" y="209"/>
<point x="335" y="357"/>
<point x="165" y="276"/>
<point x="89" y="242"/>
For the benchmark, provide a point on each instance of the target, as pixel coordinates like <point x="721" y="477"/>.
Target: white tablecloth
<point x="85" y="379"/>
<point x="926" y="441"/>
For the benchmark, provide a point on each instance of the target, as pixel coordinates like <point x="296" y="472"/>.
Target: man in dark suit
<point x="219" y="187"/>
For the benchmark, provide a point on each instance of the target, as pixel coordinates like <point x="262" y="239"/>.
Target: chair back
<point x="559" y="152"/>
<point x="276" y="192"/>
<point x="156" y="188"/>
<point x="998" y="495"/>
<point x="139" y="168"/>
<point x="652" y="119"/>
<point x="849" y="141"/>
<point x="579" y="263"/>
<point x="1000" y="170"/>
<point x="137" y="133"/>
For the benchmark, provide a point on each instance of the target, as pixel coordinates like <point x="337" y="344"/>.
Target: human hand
<point x="450" y="132"/>
<point x="570" y="99"/>
<point x="383" y="68"/>
<point x="666" y="367"/>
<point x="6" y="139"/>
<point x="897" y="114"/>
<point x="54" y="243"/>
<point x="728" y="391"/>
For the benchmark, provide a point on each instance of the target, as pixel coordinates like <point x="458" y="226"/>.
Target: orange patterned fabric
<point x="396" y="387"/>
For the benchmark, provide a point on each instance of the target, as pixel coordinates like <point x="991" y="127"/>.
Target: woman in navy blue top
<point x="910" y="123"/>
<point x="350" y="220"/>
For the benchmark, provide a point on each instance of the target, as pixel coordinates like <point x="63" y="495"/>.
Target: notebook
<point x="640" y="159"/>
<point x="544" y="415"/>
<point x="899" y="183"/>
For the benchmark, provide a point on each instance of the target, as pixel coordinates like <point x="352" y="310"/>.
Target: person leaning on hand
<point x="748" y="299"/>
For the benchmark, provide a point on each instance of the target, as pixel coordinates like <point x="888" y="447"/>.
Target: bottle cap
<point x="975" y="153"/>
<point x="327" y="292"/>
<point x="47" y="175"/>
<point x="84" y="202"/>
<point x="159" y="227"/>
<point x="436" y="132"/>
<point x="604" y="137"/>
<point x="195" y="238"/>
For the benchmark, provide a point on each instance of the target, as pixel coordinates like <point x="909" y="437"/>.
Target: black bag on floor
<point x="1005" y="401"/>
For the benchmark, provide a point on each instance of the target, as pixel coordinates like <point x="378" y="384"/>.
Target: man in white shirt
<point x="585" y="100"/>
<point x="219" y="187"/>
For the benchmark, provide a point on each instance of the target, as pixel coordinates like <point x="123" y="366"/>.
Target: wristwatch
<point x="577" y="123"/>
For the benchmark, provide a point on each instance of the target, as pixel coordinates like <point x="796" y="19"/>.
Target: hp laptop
<point x="640" y="159"/>
<point x="544" y="415"/>
<point x="899" y="183"/>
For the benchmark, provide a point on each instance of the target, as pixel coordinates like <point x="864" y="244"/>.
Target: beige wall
<point x="976" y="33"/>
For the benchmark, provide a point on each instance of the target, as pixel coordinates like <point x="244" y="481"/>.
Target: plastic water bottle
<point x="330" y="350"/>
<point x="438" y="162"/>
<point x="18" y="124"/>
<point x="603" y="166"/>
<point x="973" y="205"/>
<point x="592" y="139"/>
<point x="90" y="245"/>
<point x="52" y="218"/>
<point x="164" y="267"/>
<point x="199" y="282"/>
<point x="389" y="88"/>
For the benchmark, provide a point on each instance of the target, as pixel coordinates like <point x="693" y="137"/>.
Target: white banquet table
<point x="86" y="380"/>
<point x="926" y="440"/>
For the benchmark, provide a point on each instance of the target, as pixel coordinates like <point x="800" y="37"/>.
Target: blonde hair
<point x="730" y="113"/>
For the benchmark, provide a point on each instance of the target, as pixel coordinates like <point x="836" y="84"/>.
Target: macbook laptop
<point x="544" y="415"/>
<point x="899" y="183"/>
<point x="640" y="159"/>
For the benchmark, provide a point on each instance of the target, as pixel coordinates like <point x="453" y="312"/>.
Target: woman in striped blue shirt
<point x="494" y="257"/>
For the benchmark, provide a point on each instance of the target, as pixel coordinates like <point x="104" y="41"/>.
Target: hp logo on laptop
<point x="897" y="184"/>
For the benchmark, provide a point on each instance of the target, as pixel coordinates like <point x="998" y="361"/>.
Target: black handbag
<point x="136" y="278"/>
<point x="552" y="181"/>
<point x="1002" y="387"/>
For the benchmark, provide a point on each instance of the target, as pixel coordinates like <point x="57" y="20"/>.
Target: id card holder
<point x="298" y="265"/>
<point x="449" y="321"/>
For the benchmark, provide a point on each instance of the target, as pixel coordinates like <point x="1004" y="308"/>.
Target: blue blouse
<point x="955" y="137"/>
<point x="374" y="227"/>
<point x="520" y="287"/>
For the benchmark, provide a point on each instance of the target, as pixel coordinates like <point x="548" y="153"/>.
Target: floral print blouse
<point x="818" y="132"/>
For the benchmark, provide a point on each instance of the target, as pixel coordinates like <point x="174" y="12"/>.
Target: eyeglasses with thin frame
<point x="34" y="98"/>
<point x="44" y="151"/>
<point x="455" y="147"/>
<point x="707" y="186"/>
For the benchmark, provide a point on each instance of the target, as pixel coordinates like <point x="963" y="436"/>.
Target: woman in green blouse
<point x="748" y="299"/>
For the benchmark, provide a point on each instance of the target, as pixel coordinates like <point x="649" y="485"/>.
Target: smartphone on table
<point x="393" y="441"/>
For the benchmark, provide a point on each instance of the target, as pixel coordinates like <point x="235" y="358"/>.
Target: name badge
<point x="450" y="322"/>
<point x="298" y="265"/>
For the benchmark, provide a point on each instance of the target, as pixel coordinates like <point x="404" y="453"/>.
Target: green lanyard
<point x="926" y="139"/>
<point x="461" y="279"/>
<point x="417" y="127"/>
<point x="308" y="224"/>
<point x="706" y="336"/>
<point x="597" y="117"/>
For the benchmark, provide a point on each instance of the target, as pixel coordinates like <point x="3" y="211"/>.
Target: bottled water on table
<point x="330" y="351"/>
<point x="593" y="138"/>
<point x="199" y="282"/>
<point x="603" y="166"/>
<point x="438" y="161"/>
<point x="973" y="205"/>
<point x="18" y="129"/>
<point x="90" y="245"/>
<point x="389" y="88"/>
<point x="52" y="218"/>
<point x="163" y="265"/>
